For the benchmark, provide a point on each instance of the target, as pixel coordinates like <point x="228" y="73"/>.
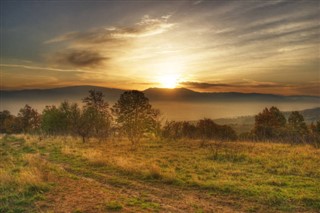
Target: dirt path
<point x="79" y="193"/>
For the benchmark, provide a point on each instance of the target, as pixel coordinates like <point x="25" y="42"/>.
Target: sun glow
<point x="169" y="73"/>
<point x="169" y="81"/>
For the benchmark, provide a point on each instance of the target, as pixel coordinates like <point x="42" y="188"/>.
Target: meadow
<point x="63" y="174"/>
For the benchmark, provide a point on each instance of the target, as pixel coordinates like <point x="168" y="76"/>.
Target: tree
<point x="86" y="123"/>
<point x="314" y="136"/>
<point x="189" y="130"/>
<point x="269" y="124"/>
<point x="296" y="124"/>
<point x="97" y="109"/>
<point x="207" y="129"/>
<point x="172" y="130"/>
<point x="52" y="122"/>
<point x="9" y="123"/>
<point x="226" y="133"/>
<point x="4" y="115"/>
<point x="96" y="101"/>
<point x="315" y="128"/>
<point x="29" y="118"/>
<point x="135" y="115"/>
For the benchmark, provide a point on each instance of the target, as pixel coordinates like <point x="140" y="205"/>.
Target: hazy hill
<point x="155" y="94"/>
<point x="74" y="93"/>
<point x="177" y="104"/>
<point x="183" y="94"/>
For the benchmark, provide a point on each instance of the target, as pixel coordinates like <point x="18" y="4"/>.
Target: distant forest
<point x="133" y="116"/>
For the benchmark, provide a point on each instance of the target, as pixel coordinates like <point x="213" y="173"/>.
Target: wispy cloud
<point x="147" y="26"/>
<point x="44" y="68"/>
<point x="81" y="58"/>
<point x="98" y="47"/>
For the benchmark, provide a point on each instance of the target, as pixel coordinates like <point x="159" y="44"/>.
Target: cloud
<point x="145" y="27"/>
<point x="101" y="46"/>
<point x="42" y="68"/>
<point x="197" y="2"/>
<point x="81" y="58"/>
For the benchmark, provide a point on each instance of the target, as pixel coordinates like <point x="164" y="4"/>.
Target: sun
<point x="168" y="81"/>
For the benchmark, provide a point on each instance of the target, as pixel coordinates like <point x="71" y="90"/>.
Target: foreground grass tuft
<point x="113" y="206"/>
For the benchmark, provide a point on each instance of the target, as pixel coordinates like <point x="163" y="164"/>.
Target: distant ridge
<point x="154" y="94"/>
<point x="178" y="104"/>
<point x="183" y="94"/>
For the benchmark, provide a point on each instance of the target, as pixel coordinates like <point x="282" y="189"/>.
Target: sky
<point x="204" y="45"/>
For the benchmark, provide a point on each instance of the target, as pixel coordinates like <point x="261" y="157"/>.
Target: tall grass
<point x="22" y="176"/>
<point x="275" y="174"/>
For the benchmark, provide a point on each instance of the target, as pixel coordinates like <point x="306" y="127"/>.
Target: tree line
<point x="271" y="124"/>
<point x="134" y="117"/>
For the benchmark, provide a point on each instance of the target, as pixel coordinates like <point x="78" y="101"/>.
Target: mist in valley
<point x="180" y="111"/>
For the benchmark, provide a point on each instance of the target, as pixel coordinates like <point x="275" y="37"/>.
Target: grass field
<point x="65" y="175"/>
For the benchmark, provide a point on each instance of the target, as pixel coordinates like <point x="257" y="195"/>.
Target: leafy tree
<point x="12" y="125"/>
<point x="52" y="122"/>
<point x="98" y="109"/>
<point x="74" y="117"/>
<point x="172" y="130"/>
<point x="314" y="136"/>
<point x="9" y="123"/>
<point x="86" y="123"/>
<point x="135" y="115"/>
<point x="207" y="129"/>
<point x="96" y="101"/>
<point x="317" y="127"/>
<point x="269" y="124"/>
<point x="59" y="120"/>
<point x="296" y="124"/>
<point x="29" y="118"/>
<point x="189" y="130"/>
<point x="226" y="133"/>
<point x="4" y="115"/>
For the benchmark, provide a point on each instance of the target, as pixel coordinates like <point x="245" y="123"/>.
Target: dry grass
<point x="263" y="176"/>
<point x="22" y="177"/>
<point x="274" y="174"/>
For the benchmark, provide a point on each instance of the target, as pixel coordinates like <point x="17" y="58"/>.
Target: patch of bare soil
<point x="83" y="194"/>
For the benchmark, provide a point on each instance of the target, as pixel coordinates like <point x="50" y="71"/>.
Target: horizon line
<point x="161" y="88"/>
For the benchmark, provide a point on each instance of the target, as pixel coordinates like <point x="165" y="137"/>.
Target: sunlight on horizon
<point x="169" y="73"/>
<point x="169" y="81"/>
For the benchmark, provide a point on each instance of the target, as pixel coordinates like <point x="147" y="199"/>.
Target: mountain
<point x="74" y="93"/>
<point x="177" y="104"/>
<point x="183" y="94"/>
<point x="155" y="94"/>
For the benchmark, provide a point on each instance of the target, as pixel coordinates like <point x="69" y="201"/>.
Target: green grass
<point x="281" y="176"/>
<point x="18" y="188"/>
<point x="113" y="206"/>
<point x="253" y="176"/>
<point x="143" y="203"/>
